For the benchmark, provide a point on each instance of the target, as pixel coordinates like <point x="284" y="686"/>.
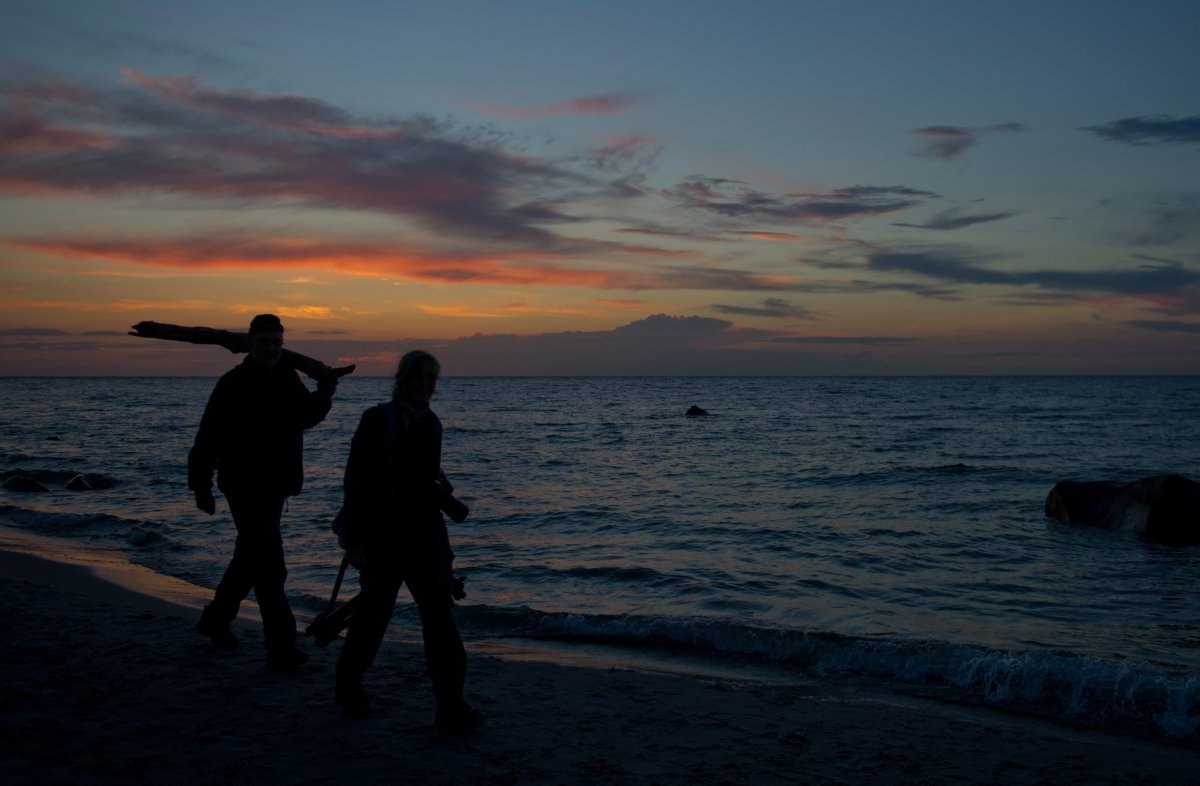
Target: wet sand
<point x="104" y="681"/>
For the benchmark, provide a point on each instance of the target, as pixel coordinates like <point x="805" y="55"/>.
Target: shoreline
<point x="107" y="682"/>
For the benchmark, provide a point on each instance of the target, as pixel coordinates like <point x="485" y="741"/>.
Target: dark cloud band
<point x="1150" y="130"/>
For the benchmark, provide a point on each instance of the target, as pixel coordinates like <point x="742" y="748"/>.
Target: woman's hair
<point x="408" y="366"/>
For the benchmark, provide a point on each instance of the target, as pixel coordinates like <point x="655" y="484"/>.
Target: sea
<point x="883" y="531"/>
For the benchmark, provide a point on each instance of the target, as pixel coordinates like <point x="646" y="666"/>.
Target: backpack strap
<point x="396" y="420"/>
<point x="387" y="448"/>
<point x="344" y="522"/>
<point x="391" y="426"/>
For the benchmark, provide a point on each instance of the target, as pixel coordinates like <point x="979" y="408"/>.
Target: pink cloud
<point x="604" y="104"/>
<point x="624" y="147"/>
<point x="30" y="135"/>
<point x="953" y="141"/>
<point x="158" y="136"/>
<point x="296" y="113"/>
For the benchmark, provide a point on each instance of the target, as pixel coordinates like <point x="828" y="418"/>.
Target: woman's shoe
<point x="216" y="632"/>
<point x="458" y="717"/>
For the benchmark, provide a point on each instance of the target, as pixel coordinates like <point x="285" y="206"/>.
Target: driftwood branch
<point x="237" y="343"/>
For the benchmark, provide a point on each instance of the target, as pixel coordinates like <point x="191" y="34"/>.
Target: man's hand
<point x="205" y="501"/>
<point x="357" y="557"/>
<point x="327" y="382"/>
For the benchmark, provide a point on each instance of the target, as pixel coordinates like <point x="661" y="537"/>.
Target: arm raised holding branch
<point x="237" y="343"/>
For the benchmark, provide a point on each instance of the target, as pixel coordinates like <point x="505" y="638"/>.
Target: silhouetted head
<point x="266" y="340"/>
<point x="265" y="323"/>
<point x="416" y="378"/>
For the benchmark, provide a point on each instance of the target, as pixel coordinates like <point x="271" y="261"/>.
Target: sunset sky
<point x="652" y="187"/>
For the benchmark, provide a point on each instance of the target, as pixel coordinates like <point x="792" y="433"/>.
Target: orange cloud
<point x="504" y="311"/>
<point x="296" y="312"/>
<point x="473" y="312"/>
<point x="622" y="303"/>
<point x="48" y="304"/>
<point x="373" y="359"/>
<point x="777" y="237"/>
<point x="161" y="305"/>
<point x="630" y="268"/>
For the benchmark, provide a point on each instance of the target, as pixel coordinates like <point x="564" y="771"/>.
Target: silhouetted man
<point x="252" y="433"/>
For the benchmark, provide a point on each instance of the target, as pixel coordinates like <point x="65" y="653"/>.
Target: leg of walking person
<point x="235" y="585"/>
<point x="376" y="602"/>
<point x="445" y="656"/>
<point x="260" y="544"/>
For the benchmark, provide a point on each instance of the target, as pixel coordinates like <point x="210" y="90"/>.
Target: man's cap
<point x="266" y="323"/>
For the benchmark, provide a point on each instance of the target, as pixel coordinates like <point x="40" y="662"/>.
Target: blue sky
<point x="567" y="187"/>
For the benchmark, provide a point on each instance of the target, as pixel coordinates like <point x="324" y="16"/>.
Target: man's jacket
<point x="252" y="432"/>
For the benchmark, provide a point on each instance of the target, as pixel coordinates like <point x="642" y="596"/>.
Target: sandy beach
<point x="104" y="681"/>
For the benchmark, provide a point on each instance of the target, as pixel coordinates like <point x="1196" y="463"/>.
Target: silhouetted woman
<point x="394" y="494"/>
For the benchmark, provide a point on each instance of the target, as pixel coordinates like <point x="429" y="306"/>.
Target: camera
<point x="447" y="502"/>
<point x="455" y="509"/>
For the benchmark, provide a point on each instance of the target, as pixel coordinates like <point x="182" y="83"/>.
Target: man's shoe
<point x="352" y="699"/>
<point x="457" y="718"/>
<point x="286" y="661"/>
<point x="220" y="635"/>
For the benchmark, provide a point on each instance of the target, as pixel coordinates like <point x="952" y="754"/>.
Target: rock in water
<point x="78" y="483"/>
<point x="22" y="483"/>
<point x="1160" y="507"/>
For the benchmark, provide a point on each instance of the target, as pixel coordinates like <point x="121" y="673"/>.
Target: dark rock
<point x="78" y="483"/>
<point x="1160" y="507"/>
<point x="22" y="483"/>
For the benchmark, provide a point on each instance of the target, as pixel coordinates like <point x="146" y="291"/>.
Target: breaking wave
<point x="1124" y="696"/>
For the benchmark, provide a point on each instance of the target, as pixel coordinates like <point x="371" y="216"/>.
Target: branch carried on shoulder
<point x="237" y="343"/>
